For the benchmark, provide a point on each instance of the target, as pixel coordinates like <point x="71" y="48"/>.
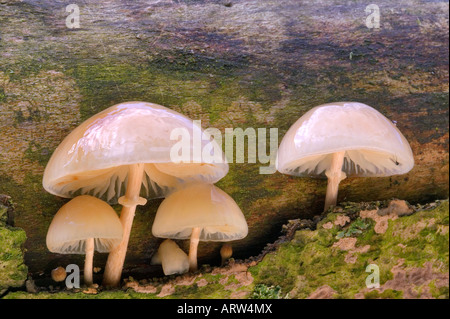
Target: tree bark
<point x="248" y="64"/>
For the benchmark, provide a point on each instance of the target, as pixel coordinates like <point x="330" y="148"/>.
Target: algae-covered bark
<point x="259" y="64"/>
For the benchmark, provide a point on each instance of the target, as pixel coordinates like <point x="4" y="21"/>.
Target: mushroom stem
<point x="195" y="237"/>
<point x="335" y="176"/>
<point x="116" y="258"/>
<point x="88" y="262"/>
<point x="225" y="252"/>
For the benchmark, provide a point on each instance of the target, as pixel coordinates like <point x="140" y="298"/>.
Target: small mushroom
<point x="172" y="258"/>
<point x="59" y="274"/>
<point x="226" y="251"/>
<point x="123" y="153"/>
<point x="83" y="225"/>
<point x="156" y="259"/>
<point x="199" y="212"/>
<point x="343" y="139"/>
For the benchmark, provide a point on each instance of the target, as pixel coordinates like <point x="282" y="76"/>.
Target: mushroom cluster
<point x="124" y="155"/>
<point x="343" y="139"/>
<point x="199" y="212"/>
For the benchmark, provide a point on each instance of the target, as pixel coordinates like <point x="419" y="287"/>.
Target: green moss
<point x="34" y="210"/>
<point x="189" y="62"/>
<point x="114" y="294"/>
<point x="35" y="152"/>
<point x="13" y="270"/>
<point x="279" y="269"/>
<point x="210" y="278"/>
<point x="441" y="292"/>
<point x="387" y="294"/>
<point x="262" y="291"/>
<point x="419" y="230"/>
<point x="355" y="229"/>
<point x="2" y="95"/>
<point x="231" y="280"/>
<point x="309" y="261"/>
<point x="168" y="84"/>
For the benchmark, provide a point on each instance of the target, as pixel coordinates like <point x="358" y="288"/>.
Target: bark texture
<point x="234" y="63"/>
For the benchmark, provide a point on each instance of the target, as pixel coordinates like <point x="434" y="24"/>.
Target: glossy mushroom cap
<point x="205" y="206"/>
<point x="373" y="145"/>
<point x="93" y="159"/>
<point x="173" y="259"/>
<point x="82" y="218"/>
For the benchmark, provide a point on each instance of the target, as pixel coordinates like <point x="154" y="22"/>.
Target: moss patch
<point x="13" y="271"/>
<point x="129" y="294"/>
<point x="312" y="258"/>
<point x="412" y="257"/>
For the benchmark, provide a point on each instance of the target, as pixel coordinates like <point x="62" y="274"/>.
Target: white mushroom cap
<point x="373" y="145"/>
<point x="205" y="206"/>
<point x="172" y="258"/>
<point x="82" y="218"/>
<point x="93" y="159"/>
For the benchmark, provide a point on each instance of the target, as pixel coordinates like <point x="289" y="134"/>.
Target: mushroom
<point x="343" y="139"/>
<point x="199" y="212"/>
<point x="59" y="274"/>
<point x="122" y="153"/>
<point x="226" y="251"/>
<point x="172" y="258"/>
<point x="156" y="259"/>
<point x="83" y="225"/>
